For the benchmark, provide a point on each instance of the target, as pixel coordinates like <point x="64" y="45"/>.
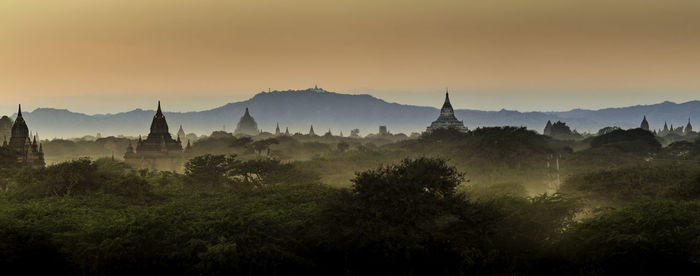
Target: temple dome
<point x="247" y="125"/>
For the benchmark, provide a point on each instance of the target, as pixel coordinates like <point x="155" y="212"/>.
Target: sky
<point x="111" y="56"/>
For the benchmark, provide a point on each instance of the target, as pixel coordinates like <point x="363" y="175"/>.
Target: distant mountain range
<point x="299" y="109"/>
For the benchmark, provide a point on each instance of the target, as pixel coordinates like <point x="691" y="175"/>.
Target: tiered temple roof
<point x="247" y="125"/>
<point x="159" y="150"/>
<point x="645" y="124"/>
<point x="447" y="119"/>
<point x="159" y="139"/>
<point x="30" y="152"/>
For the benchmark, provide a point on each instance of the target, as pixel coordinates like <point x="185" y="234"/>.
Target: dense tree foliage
<point x="633" y="140"/>
<point x="222" y="170"/>
<point x="79" y="177"/>
<point x="657" y="237"/>
<point x="445" y="203"/>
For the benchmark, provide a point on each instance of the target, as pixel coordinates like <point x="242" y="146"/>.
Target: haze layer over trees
<point x="490" y="201"/>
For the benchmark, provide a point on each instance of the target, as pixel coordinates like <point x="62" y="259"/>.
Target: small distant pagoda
<point x="5" y="127"/>
<point x="247" y="125"/>
<point x="447" y="119"/>
<point x="181" y="136"/>
<point x="159" y="151"/>
<point x="645" y="124"/>
<point x="29" y="152"/>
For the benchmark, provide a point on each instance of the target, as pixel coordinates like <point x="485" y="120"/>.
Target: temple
<point x="447" y="119"/>
<point x="181" y="136"/>
<point x="5" y="127"/>
<point x="29" y="152"/>
<point x="548" y="128"/>
<point x="247" y="125"/>
<point x="159" y="151"/>
<point x="645" y="124"/>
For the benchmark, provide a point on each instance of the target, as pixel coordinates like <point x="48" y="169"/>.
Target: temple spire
<point x="645" y="124"/>
<point x="247" y="125"/>
<point x="447" y="106"/>
<point x="447" y="117"/>
<point x="19" y="113"/>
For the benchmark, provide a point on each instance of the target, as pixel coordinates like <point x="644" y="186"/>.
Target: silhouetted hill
<point x="301" y="108"/>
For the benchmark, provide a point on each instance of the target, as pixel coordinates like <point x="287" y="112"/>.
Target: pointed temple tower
<point x="30" y="153"/>
<point x="5" y="127"/>
<point x="447" y="119"/>
<point x="311" y="131"/>
<point x="548" y="128"/>
<point x="189" y="146"/>
<point x="645" y="124"/>
<point x="277" y="130"/>
<point x="246" y="125"/>
<point x="181" y="136"/>
<point x="688" y="128"/>
<point x="159" y="151"/>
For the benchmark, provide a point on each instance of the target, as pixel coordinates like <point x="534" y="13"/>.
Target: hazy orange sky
<point x="109" y="56"/>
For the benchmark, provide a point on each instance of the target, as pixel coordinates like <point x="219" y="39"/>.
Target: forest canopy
<point x="490" y="201"/>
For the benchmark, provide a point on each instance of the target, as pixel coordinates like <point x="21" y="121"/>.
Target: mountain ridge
<point x="299" y="109"/>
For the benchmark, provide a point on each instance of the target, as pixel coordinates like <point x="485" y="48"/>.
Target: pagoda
<point x="29" y="152"/>
<point x="181" y="136"/>
<point x="247" y="125"/>
<point x="5" y="127"/>
<point x="645" y="124"/>
<point x="159" y="151"/>
<point x="447" y="119"/>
